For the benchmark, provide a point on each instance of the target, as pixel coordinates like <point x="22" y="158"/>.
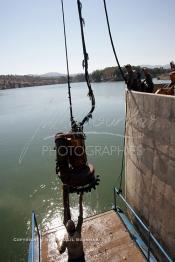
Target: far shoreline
<point x="109" y="74"/>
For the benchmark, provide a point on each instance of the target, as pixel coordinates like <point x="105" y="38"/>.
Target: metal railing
<point x="32" y="248"/>
<point x="145" y="227"/>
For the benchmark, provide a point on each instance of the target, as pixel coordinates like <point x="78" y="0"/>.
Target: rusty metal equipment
<point x="71" y="160"/>
<point x="71" y="163"/>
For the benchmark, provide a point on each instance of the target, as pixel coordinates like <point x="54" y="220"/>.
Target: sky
<point x="32" y="34"/>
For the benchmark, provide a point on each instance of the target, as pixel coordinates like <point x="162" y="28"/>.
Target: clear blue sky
<point x="32" y="34"/>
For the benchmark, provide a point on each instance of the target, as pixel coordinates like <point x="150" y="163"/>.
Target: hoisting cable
<point x="67" y="65"/>
<point x="112" y="43"/>
<point x="72" y="166"/>
<point x="123" y="153"/>
<point x="85" y="66"/>
<point x="124" y="78"/>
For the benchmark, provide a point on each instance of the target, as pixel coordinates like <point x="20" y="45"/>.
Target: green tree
<point x="97" y="76"/>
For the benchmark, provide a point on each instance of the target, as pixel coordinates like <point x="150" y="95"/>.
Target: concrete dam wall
<point x="150" y="162"/>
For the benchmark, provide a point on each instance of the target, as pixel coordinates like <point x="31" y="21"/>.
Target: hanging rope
<point x="112" y="43"/>
<point x="123" y="154"/>
<point x="85" y="66"/>
<point x="124" y="78"/>
<point x="67" y="65"/>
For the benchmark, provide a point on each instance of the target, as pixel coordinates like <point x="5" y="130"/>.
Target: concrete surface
<point x="150" y="162"/>
<point x="104" y="239"/>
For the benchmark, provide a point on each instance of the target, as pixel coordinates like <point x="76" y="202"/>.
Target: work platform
<point x="105" y="238"/>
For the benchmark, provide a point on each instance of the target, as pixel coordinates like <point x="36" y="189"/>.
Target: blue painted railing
<point x="145" y="227"/>
<point x="34" y="249"/>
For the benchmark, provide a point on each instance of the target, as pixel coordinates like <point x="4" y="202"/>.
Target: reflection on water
<point x="29" y="119"/>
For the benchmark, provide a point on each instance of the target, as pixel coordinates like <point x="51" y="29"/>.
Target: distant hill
<point x="156" y="66"/>
<point x="53" y="78"/>
<point x="52" y="74"/>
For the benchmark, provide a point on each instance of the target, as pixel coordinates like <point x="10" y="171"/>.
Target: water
<point x="29" y="118"/>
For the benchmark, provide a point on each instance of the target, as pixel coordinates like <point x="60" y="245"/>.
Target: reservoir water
<point x="29" y="119"/>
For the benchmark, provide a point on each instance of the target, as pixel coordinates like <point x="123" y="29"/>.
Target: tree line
<point x="113" y="73"/>
<point x="106" y="74"/>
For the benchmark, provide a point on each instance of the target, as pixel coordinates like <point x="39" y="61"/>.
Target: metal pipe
<point x="35" y="224"/>
<point x="33" y="234"/>
<point x="149" y="242"/>
<point x="161" y="248"/>
<point x="132" y="210"/>
<point x="115" y="203"/>
<point x="39" y="237"/>
<point x="144" y="226"/>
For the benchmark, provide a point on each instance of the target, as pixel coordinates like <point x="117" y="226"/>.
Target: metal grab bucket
<point x="71" y="160"/>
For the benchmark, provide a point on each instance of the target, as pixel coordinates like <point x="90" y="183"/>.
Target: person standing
<point x="72" y="240"/>
<point x="132" y="78"/>
<point x="149" y="87"/>
<point x="172" y="65"/>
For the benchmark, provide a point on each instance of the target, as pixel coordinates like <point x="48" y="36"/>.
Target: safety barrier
<point x="150" y="237"/>
<point x="34" y="250"/>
